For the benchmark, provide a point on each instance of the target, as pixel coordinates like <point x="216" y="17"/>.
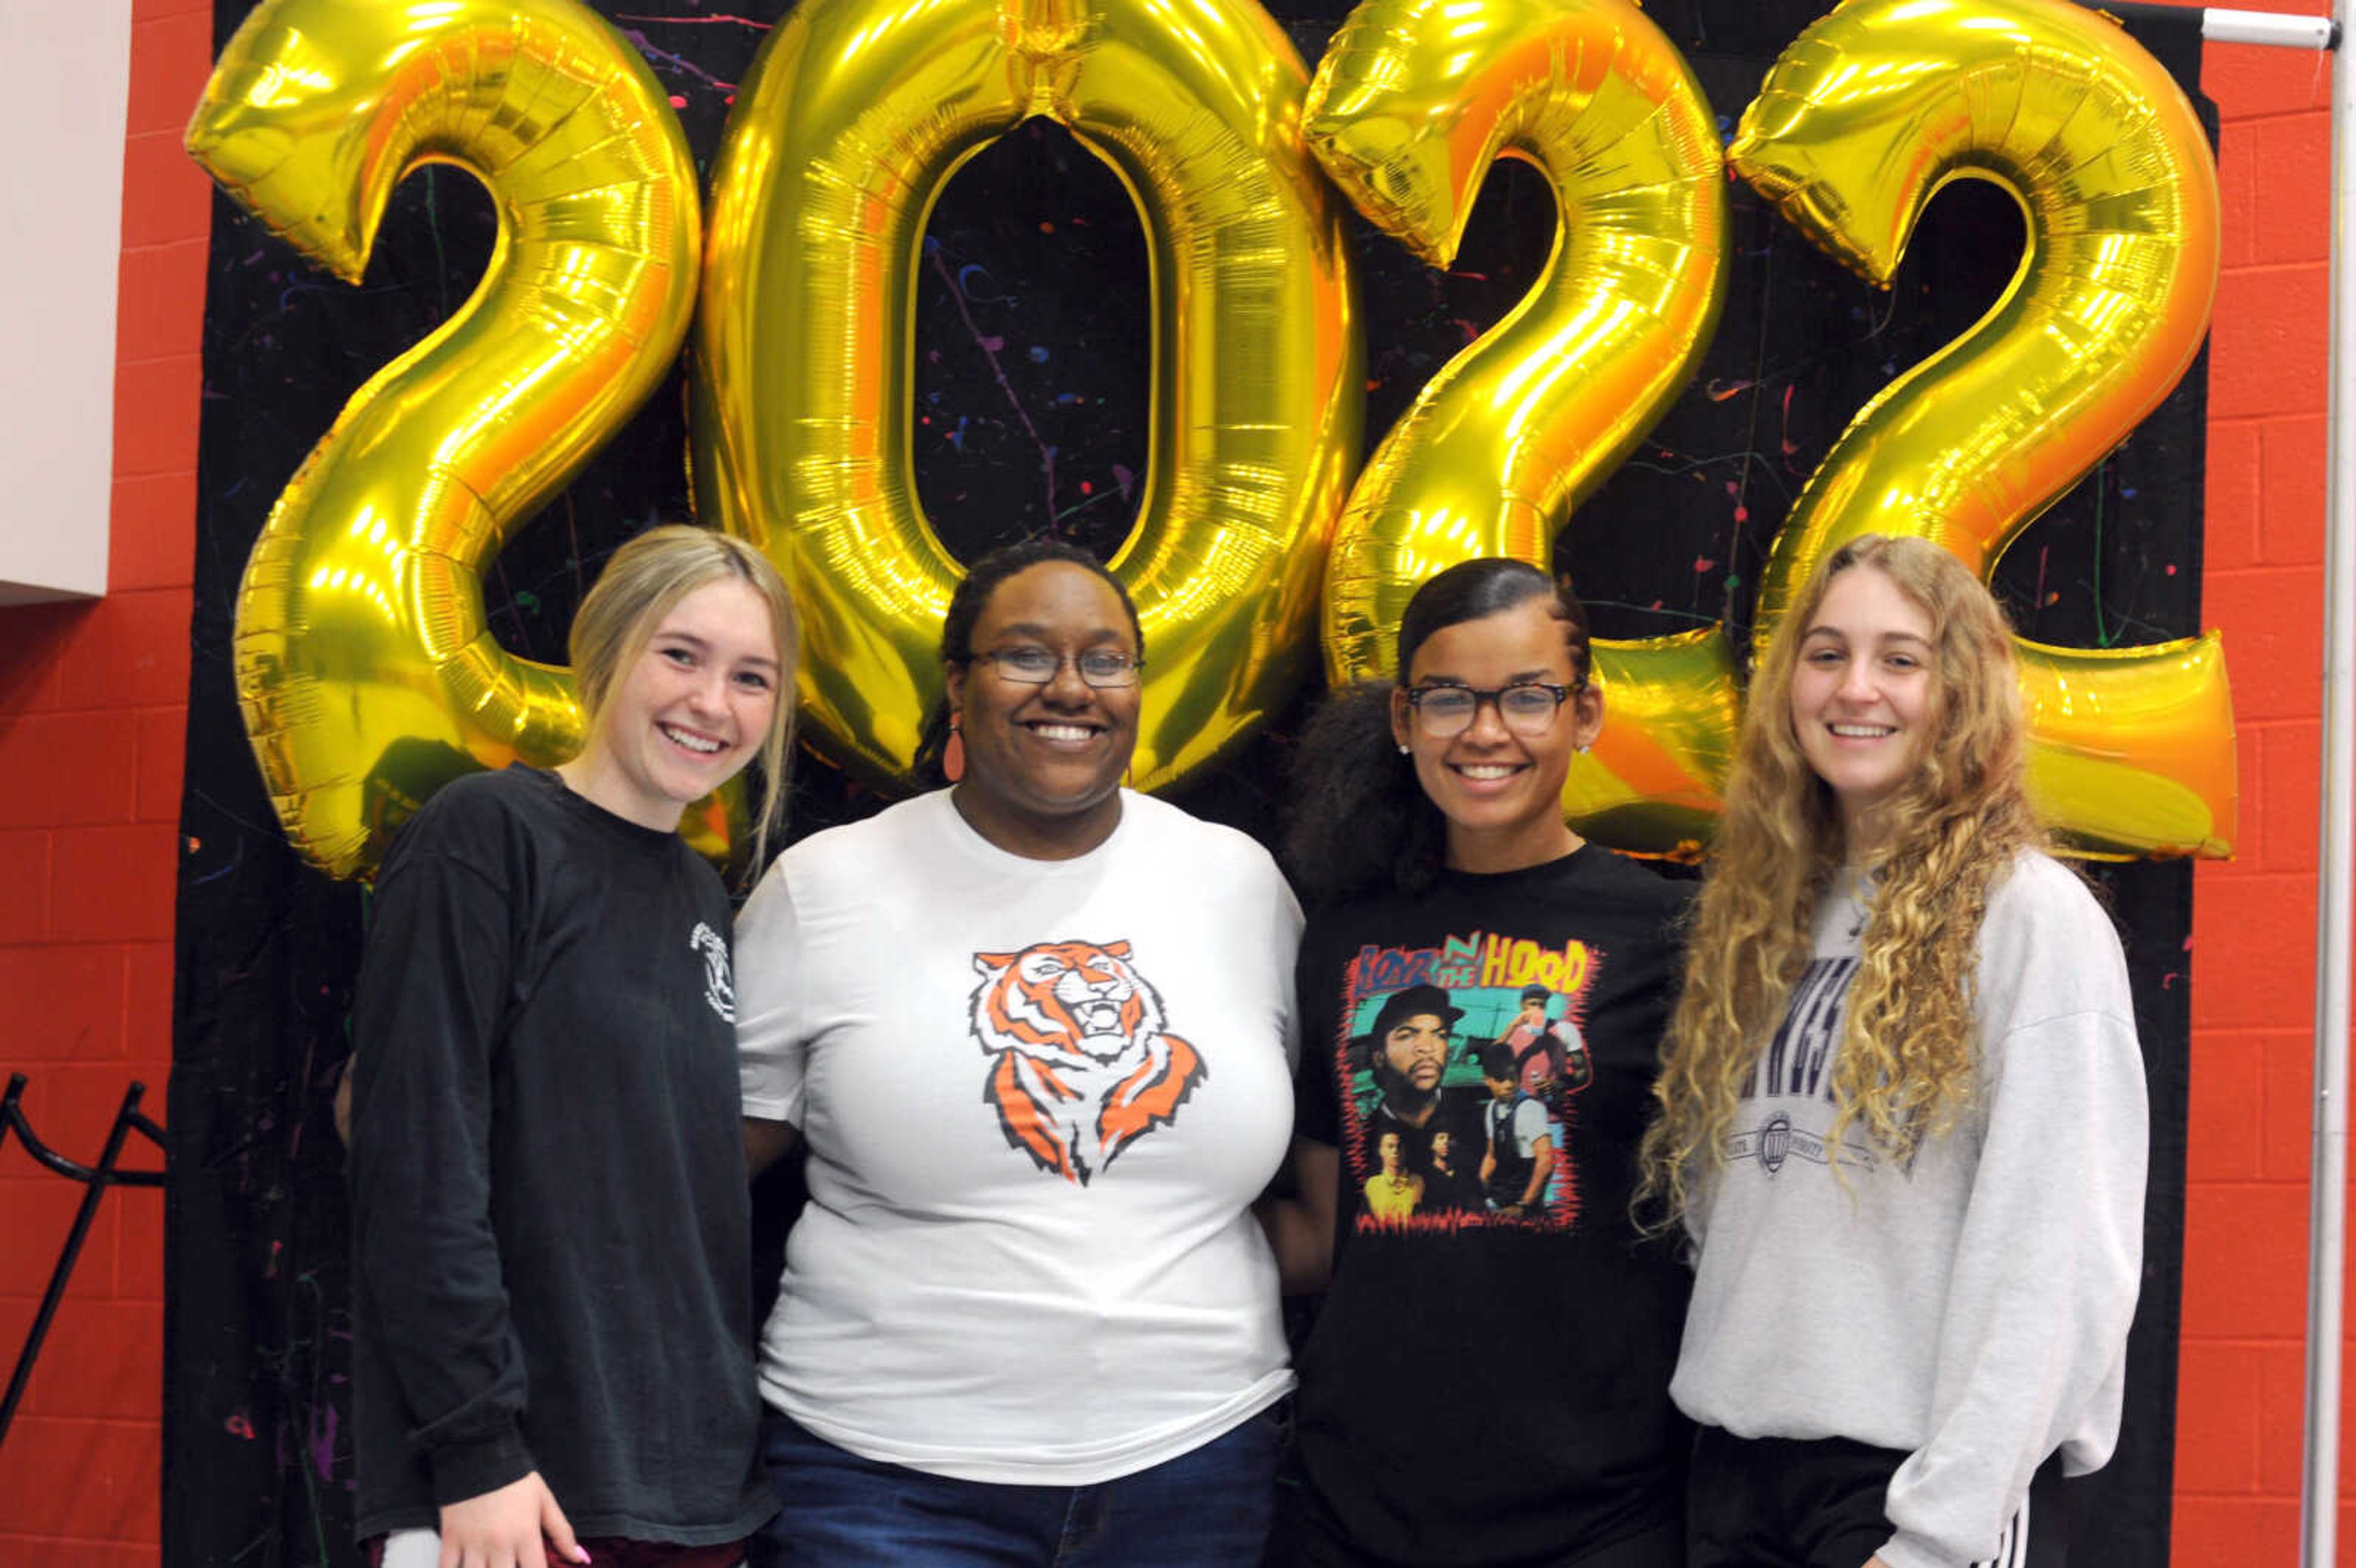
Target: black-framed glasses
<point x="1031" y="665"/>
<point x="1525" y="708"/>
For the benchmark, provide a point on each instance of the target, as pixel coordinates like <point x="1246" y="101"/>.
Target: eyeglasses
<point x="1031" y="665"/>
<point x="1526" y="707"/>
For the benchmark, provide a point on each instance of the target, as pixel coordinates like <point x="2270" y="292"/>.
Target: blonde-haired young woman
<point x="1901" y="1107"/>
<point x="551" y="1290"/>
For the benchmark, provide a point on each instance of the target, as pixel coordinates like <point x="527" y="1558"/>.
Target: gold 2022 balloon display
<point x="360" y="643"/>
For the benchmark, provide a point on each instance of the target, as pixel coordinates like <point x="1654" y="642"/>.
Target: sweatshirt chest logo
<point x="1774" y="1142"/>
<point x="719" y="982"/>
<point x="1081" y="1065"/>
<point x="1798" y="1062"/>
<point x="1792" y="1086"/>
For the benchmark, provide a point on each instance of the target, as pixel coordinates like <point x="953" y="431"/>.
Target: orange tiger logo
<point x="1083" y="1065"/>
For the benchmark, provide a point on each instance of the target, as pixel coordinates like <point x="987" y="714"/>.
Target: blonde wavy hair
<point x="1906" y="1064"/>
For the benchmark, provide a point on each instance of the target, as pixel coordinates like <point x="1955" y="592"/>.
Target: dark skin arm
<point x="767" y="1142"/>
<point x="1541" y="1166"/>
<point x="1299" y="1225"/>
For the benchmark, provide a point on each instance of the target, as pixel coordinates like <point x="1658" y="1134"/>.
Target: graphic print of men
<point x="1521" y="1141"/>
<point x="1549" y="1058"/>
<point x="1392" y="1193"/>
<point x="1406" y="1051"/>
<point x="1451" y="1186"/>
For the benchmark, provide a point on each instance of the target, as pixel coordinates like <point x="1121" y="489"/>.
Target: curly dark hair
<point x="1360" y="824"/>
<point x="966" y="605"/>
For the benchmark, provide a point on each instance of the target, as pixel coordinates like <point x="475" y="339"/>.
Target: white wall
<point x="65" y="83"/>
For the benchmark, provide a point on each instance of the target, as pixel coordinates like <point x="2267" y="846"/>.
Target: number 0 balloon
<point x="856" y="114"/>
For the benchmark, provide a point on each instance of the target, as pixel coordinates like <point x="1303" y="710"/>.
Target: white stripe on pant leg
<point x="2012" y="1551"/>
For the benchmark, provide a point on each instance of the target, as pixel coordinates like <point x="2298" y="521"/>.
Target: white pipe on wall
<point x="2328" y="1172"/>
<point x="2269" y="28"/>
<point x="2328" y="1167"/>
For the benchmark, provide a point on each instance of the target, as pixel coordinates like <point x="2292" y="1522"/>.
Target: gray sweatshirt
<point x="1969" y="1307"/>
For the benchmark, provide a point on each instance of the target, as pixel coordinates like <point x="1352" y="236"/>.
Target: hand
<point x="1875" y="1562"/>
<point x="503" y="1528"/>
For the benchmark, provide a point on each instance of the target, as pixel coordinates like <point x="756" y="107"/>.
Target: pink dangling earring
<point x="953" y="754"/>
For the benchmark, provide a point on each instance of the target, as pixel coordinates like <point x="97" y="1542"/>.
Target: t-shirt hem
<point x="607" y="1526"/>
<point x="628" y="1527"/>
<point x="1109" y="1463"/>
<point x="776" y="1109"/>
<point x="421" y="1516"/>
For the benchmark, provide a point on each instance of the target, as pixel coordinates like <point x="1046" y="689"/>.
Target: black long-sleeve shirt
<point x="550" y="1215"/>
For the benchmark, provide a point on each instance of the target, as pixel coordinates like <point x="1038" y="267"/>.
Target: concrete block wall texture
<point x="2241" y="1360"/>
<point x="92" y="711"/>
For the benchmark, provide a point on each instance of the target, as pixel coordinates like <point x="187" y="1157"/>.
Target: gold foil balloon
<point x="855" y="117"/>
<point x="1414" y="100"/>
<point x="1653" y="783"/>
<point x="2132" y="748"/>
<point x="1865" y="115"/>
<point x="363" y="664"/>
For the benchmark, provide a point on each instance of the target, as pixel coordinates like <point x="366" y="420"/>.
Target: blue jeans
<point x="1207" y="1508"/>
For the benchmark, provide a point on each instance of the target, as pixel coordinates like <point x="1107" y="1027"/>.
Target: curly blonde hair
<point x="1906" y="1064"/>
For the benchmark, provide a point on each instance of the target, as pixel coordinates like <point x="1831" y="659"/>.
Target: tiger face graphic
<point x="1081" y="1064"/>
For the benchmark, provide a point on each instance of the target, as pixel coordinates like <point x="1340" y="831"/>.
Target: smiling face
<point x="1862" y="695"/>
<point x="1500" y="791"/>
<point x="687" y="712"/>
<point x="1043" y="762"/>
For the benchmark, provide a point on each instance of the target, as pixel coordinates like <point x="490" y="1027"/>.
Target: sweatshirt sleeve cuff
<point x="1908" y="1550"/>
<point x="473" y="1466"/>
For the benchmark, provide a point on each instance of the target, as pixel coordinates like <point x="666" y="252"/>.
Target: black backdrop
<point x="1031" y="346"/>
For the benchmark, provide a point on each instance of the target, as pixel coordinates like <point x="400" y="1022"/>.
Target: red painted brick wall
<point x="2239" y="1411"/>
<point x="92" y="705"/>
<point x="92" y="702"/>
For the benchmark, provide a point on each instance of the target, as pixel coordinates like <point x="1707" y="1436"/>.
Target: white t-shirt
<point x="1040" y="1097"/>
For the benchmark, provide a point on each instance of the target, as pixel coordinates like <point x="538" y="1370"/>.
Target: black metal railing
<point x="95" y="1180"/>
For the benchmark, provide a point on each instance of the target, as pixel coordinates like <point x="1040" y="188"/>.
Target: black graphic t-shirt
<point x="1487" y="1383"/>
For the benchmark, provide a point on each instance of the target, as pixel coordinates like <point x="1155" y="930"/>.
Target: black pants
<point x="1307" y="1536"/>
<point x="1777" y="1502"/>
